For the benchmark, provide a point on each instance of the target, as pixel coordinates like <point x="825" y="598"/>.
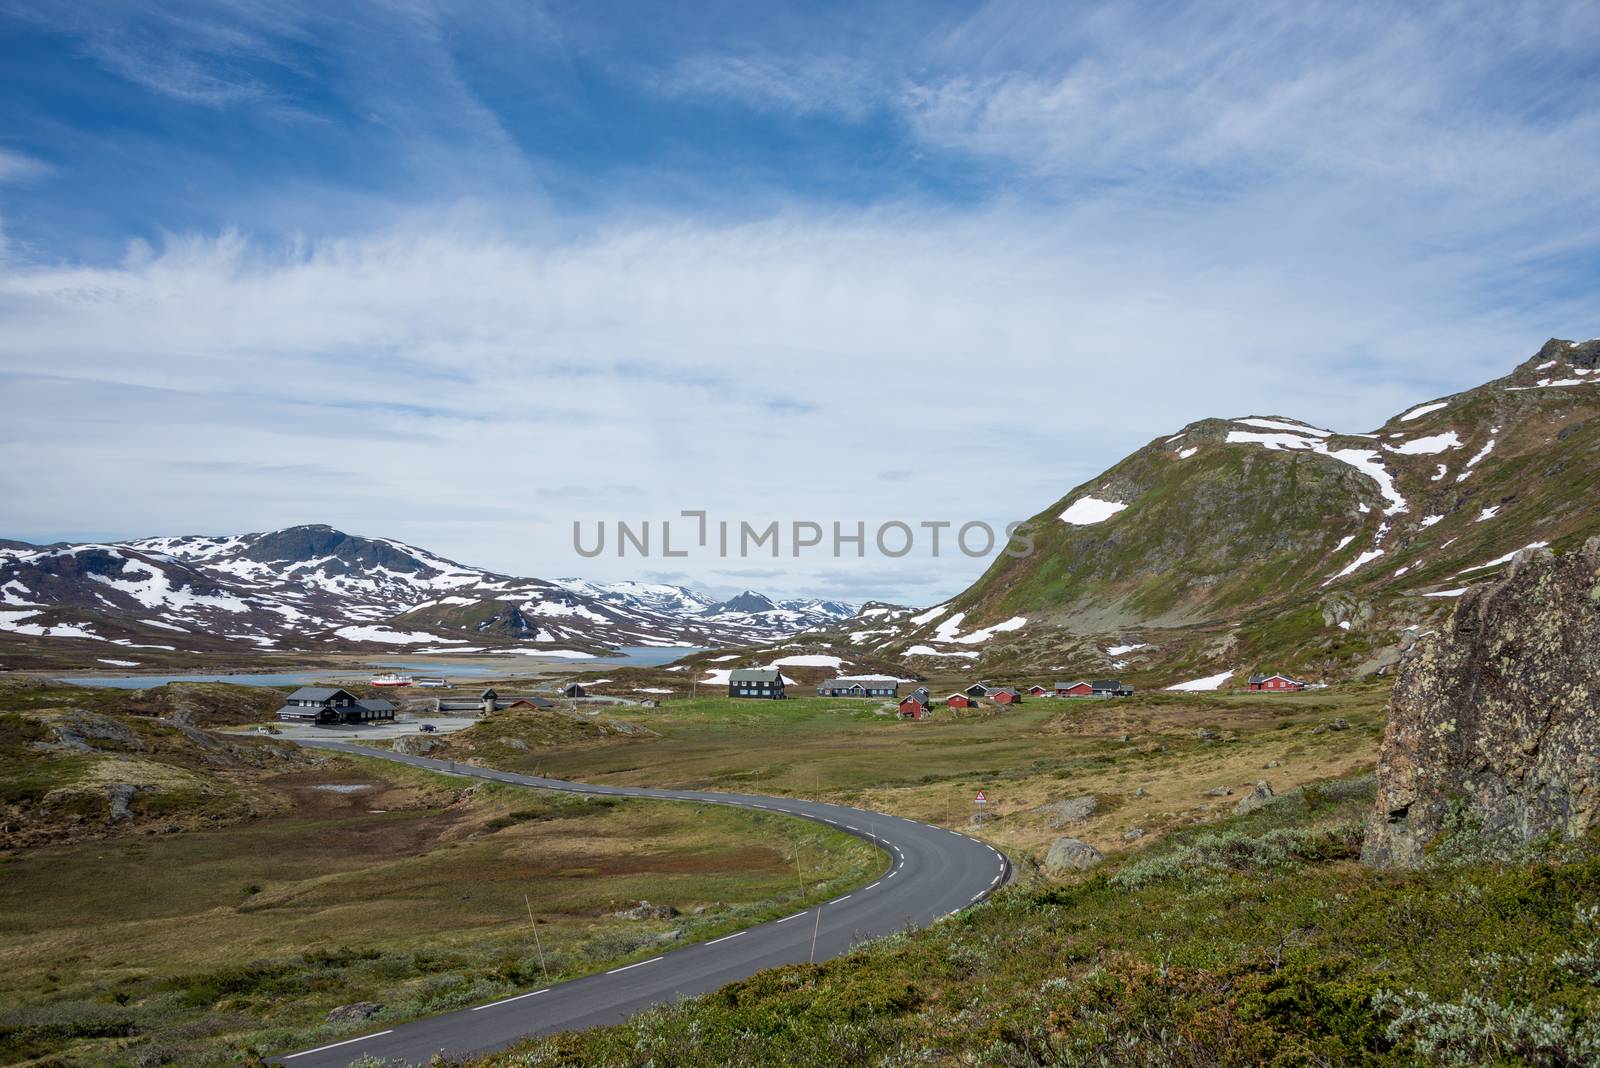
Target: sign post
<point x="981" y="800"/>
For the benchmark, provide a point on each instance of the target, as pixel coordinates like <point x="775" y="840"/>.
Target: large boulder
<point x="1494" y="724"/>
<point x="1069" y="854"/>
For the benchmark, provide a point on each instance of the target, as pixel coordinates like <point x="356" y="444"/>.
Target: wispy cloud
<point x="1324" y="210"/>
<point x="801" y="85"/>
<point x="18" y="167"/>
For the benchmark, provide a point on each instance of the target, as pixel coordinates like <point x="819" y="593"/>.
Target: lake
<point x="500" y="667"/>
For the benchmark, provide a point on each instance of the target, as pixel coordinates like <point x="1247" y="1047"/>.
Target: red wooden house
<point x="1074" y="689"/>
<point x="959" y="700"/>
<point x="911" y="708"/>
<point x="1275" y="683"/>
<point x="1039" y="691"/>
<point x="1005" y="695"/>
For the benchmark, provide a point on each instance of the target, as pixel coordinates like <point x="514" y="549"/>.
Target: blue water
<point x="632" y="656"/>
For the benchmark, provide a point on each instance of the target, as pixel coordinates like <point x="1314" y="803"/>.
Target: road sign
<point x="983" y="798"/>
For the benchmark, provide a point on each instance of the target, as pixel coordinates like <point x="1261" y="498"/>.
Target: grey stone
<point x="1068" y="811"/>
<point x="1260" y="795"/>
<point x="120" y="795"/>
<point x="646" y="911"/>
<point x="1133" y="834"/>
<point x="1069" y="854"/>
<point x="360" y="1010"/>
<point x="1219" y="791"/>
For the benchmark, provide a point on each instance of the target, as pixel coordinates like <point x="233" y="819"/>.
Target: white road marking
<point x="874" y="886"/>
<point x="507" y="1001"/>
<point x="892" y="874"/>
<point x="851" y="827"/>
<point x="625" y="967"/>
<point x="724" y="938"/>
<point x="975" y="897"/>
<point x="796" y="916"/>
<point x="836" y="900"/>
<point x="336" y="1045"/>
<point x="994" y="880"/>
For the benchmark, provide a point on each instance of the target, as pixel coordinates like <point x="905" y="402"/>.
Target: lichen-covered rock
<point x="1069" y="854"/>
<point x="419" y="744"/>
<point x="360" y="1010"/>
<point x="1258" y="796"/>
<point x="1068" y="811"/>
<point x="1495" y="722"/>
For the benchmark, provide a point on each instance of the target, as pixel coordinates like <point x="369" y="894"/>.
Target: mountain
<point x="317" y="588"/>
<point x="1266" y="543"/>
<point x="748" y="601"/>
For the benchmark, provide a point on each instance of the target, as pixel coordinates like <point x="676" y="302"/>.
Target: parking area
<point x="372" y="732"/>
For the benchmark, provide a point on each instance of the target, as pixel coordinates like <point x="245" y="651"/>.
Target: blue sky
<point x="464" y="274"/>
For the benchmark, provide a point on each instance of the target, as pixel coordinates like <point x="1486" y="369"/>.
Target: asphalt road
<point x="934" y="872"/>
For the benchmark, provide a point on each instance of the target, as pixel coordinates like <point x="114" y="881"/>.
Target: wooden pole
<point x="536" y="942"/>
<point x="814" y="931"/>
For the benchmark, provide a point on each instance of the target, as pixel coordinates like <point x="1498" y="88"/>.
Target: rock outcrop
<point x="1260" y="795"/>
<point x="1070" y="854"/>
<point x="1494" y="724"/>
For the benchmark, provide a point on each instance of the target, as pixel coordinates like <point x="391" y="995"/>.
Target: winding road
<point x="934" y="872"/>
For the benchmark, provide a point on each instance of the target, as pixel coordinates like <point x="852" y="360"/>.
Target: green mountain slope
<point x="1269" y="530"/>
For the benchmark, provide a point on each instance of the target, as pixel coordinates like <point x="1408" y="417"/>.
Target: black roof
<point x="755" y="675"/>
<point x="376" y="704"/>
<point x="1107" y="684"/>
<point x="319" y="693"/>
<point x="487" y="693"/>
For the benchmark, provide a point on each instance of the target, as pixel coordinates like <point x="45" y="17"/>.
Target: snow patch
<point x="1280" y="424"/>
<point x="1119" y="650"/>
<point x="1422" y="410"/>
<point x="1210" y="682"/>
<point x="1487" y="513"/>
<point x="1184" y="454"/>
<point x="1360" y="561"/>
<point x="1497" y="561"/>
<point x="928" y="650"/>
<point x="1428" y="446"/>
<point x="1086" y="511"/>
<point x="394" y="637"/>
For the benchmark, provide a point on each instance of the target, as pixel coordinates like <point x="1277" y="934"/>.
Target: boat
<point x="391" y="679"/>
<point x="432" y="681"/>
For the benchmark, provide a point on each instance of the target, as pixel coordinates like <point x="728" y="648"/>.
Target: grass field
<point x="402" y="888"/>
<point x="1142" y="757"/>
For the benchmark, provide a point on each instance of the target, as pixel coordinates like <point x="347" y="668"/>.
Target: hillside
<point x="1264" y="542"/>
<point x="317" y="589"/>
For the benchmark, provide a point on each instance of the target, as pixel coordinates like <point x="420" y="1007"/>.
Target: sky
<point x="468" y="274"/>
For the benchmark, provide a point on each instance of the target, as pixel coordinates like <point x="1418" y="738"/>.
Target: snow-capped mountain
<point x="317" y="587"/>
<point x="1264" y="543"/>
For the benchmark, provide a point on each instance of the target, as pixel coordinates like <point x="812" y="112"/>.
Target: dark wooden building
<point x="329" y="704"/>
<point x="755" y="682"/>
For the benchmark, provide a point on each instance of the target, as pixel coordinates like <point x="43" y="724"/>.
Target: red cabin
<point x="1005" y="695"/>
<point x="958" y="700"/>
<point x="911" y="708"/>
<point x="1074" y="689"/>
<point x="1039" y="691"/>
<point x="1275" y="682"/>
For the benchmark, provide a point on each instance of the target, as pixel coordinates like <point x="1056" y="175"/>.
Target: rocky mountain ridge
<point x="317" y="588"/>
<point x="1265" y="543"/>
